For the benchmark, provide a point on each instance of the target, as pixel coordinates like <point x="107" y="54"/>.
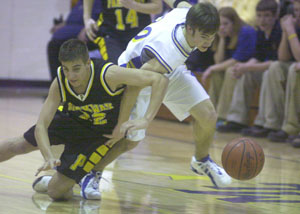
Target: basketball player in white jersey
<point x="163" y="46"/>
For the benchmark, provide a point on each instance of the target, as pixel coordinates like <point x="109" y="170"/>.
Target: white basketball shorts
<point x="183" y="92"/>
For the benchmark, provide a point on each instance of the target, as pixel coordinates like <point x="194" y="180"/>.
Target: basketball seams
<point x="242" y="157"/>
<point x="256" y="158"/>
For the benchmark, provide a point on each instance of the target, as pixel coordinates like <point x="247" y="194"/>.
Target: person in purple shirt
<point x="234" y="44"/>
<point x="249" y="75"/>
<point x="62" y="31"/>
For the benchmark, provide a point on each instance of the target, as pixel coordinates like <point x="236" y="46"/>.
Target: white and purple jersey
<point x="164" y="39"/>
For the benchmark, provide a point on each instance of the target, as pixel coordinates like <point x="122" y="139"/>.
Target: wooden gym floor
<point x="153" y="178"/>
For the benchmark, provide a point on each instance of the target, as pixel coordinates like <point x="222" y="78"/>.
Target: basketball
<point x="243" y="158"/>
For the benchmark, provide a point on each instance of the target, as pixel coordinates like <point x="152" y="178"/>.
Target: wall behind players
<point x="24" y="33"/>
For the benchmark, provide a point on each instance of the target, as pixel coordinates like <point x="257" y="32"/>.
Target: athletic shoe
<point x="208" y="167"/>
<point x="90" y="186"/>
<point x="41" y="184"/>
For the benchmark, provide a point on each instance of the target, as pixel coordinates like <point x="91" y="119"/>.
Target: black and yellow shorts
<point x="84" y="147"/>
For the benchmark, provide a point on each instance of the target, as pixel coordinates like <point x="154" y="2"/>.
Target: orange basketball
<point x="243" y="158"/>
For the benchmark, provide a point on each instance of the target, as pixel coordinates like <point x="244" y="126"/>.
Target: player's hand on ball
<point x="48" y="164"/>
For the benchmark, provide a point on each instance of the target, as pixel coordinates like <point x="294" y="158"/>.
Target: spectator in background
<point x="73" y="27"/>
<point x="278" y="97"/>
<point x="249" y="74"/>
<point x="118" y="23"/>
<point x="234" y="43"/>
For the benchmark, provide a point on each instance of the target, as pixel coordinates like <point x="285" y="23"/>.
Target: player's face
<point x="77" y="72"/>
<point x="199" y="39"/>
<point x="226" y="26"/>
<point x="265" y="20"/>
<point x="202" y="40"/>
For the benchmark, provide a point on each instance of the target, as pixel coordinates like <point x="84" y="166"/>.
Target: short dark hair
<point x="267" y="5"/>
<point x="73" y="49"/>
<point x="204" y="17"/>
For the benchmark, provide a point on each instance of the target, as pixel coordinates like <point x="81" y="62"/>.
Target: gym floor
<point x="153" y="178"/>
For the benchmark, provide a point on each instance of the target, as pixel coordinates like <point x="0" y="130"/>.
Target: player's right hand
<point x="91" y="28"/>
<point x="49" y="164"/>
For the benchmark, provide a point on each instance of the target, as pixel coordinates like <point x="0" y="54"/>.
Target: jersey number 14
<point x="131" y="18"/>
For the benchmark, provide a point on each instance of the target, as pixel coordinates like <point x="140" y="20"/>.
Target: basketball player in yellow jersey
<point x="91" y="92"/>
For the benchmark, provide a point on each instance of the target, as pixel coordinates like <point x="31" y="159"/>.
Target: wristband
<point x="175" y="4"/>
<point x="293" y="35"/>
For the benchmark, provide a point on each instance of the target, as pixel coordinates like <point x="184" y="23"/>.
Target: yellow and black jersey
<point x="119" y="22"/>
<point x="98" y="108"/>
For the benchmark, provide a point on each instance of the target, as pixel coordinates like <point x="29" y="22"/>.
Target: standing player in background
<point x="163" y="47"/>
<point x="118" y="23"/>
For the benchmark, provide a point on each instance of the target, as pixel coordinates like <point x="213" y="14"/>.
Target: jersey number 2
<point x="131" y="18"/>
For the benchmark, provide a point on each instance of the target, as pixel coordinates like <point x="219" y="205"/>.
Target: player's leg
<point x="185" y="96"/>
<point x="15" y="146"/>
<point x="115" y="151"/>
<point x="204" y="125"/>
<point x="60" y="187"/>
<point x="90" y="183"/>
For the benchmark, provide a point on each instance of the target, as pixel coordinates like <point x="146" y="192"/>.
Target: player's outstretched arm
<point x="137" y="79"/>
<point x="178" y="3"/>
<point x="41" y="130"/>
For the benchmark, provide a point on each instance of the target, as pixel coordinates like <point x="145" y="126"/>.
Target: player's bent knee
<point x="204" y="113"/>
<point x="60" y="187"/>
